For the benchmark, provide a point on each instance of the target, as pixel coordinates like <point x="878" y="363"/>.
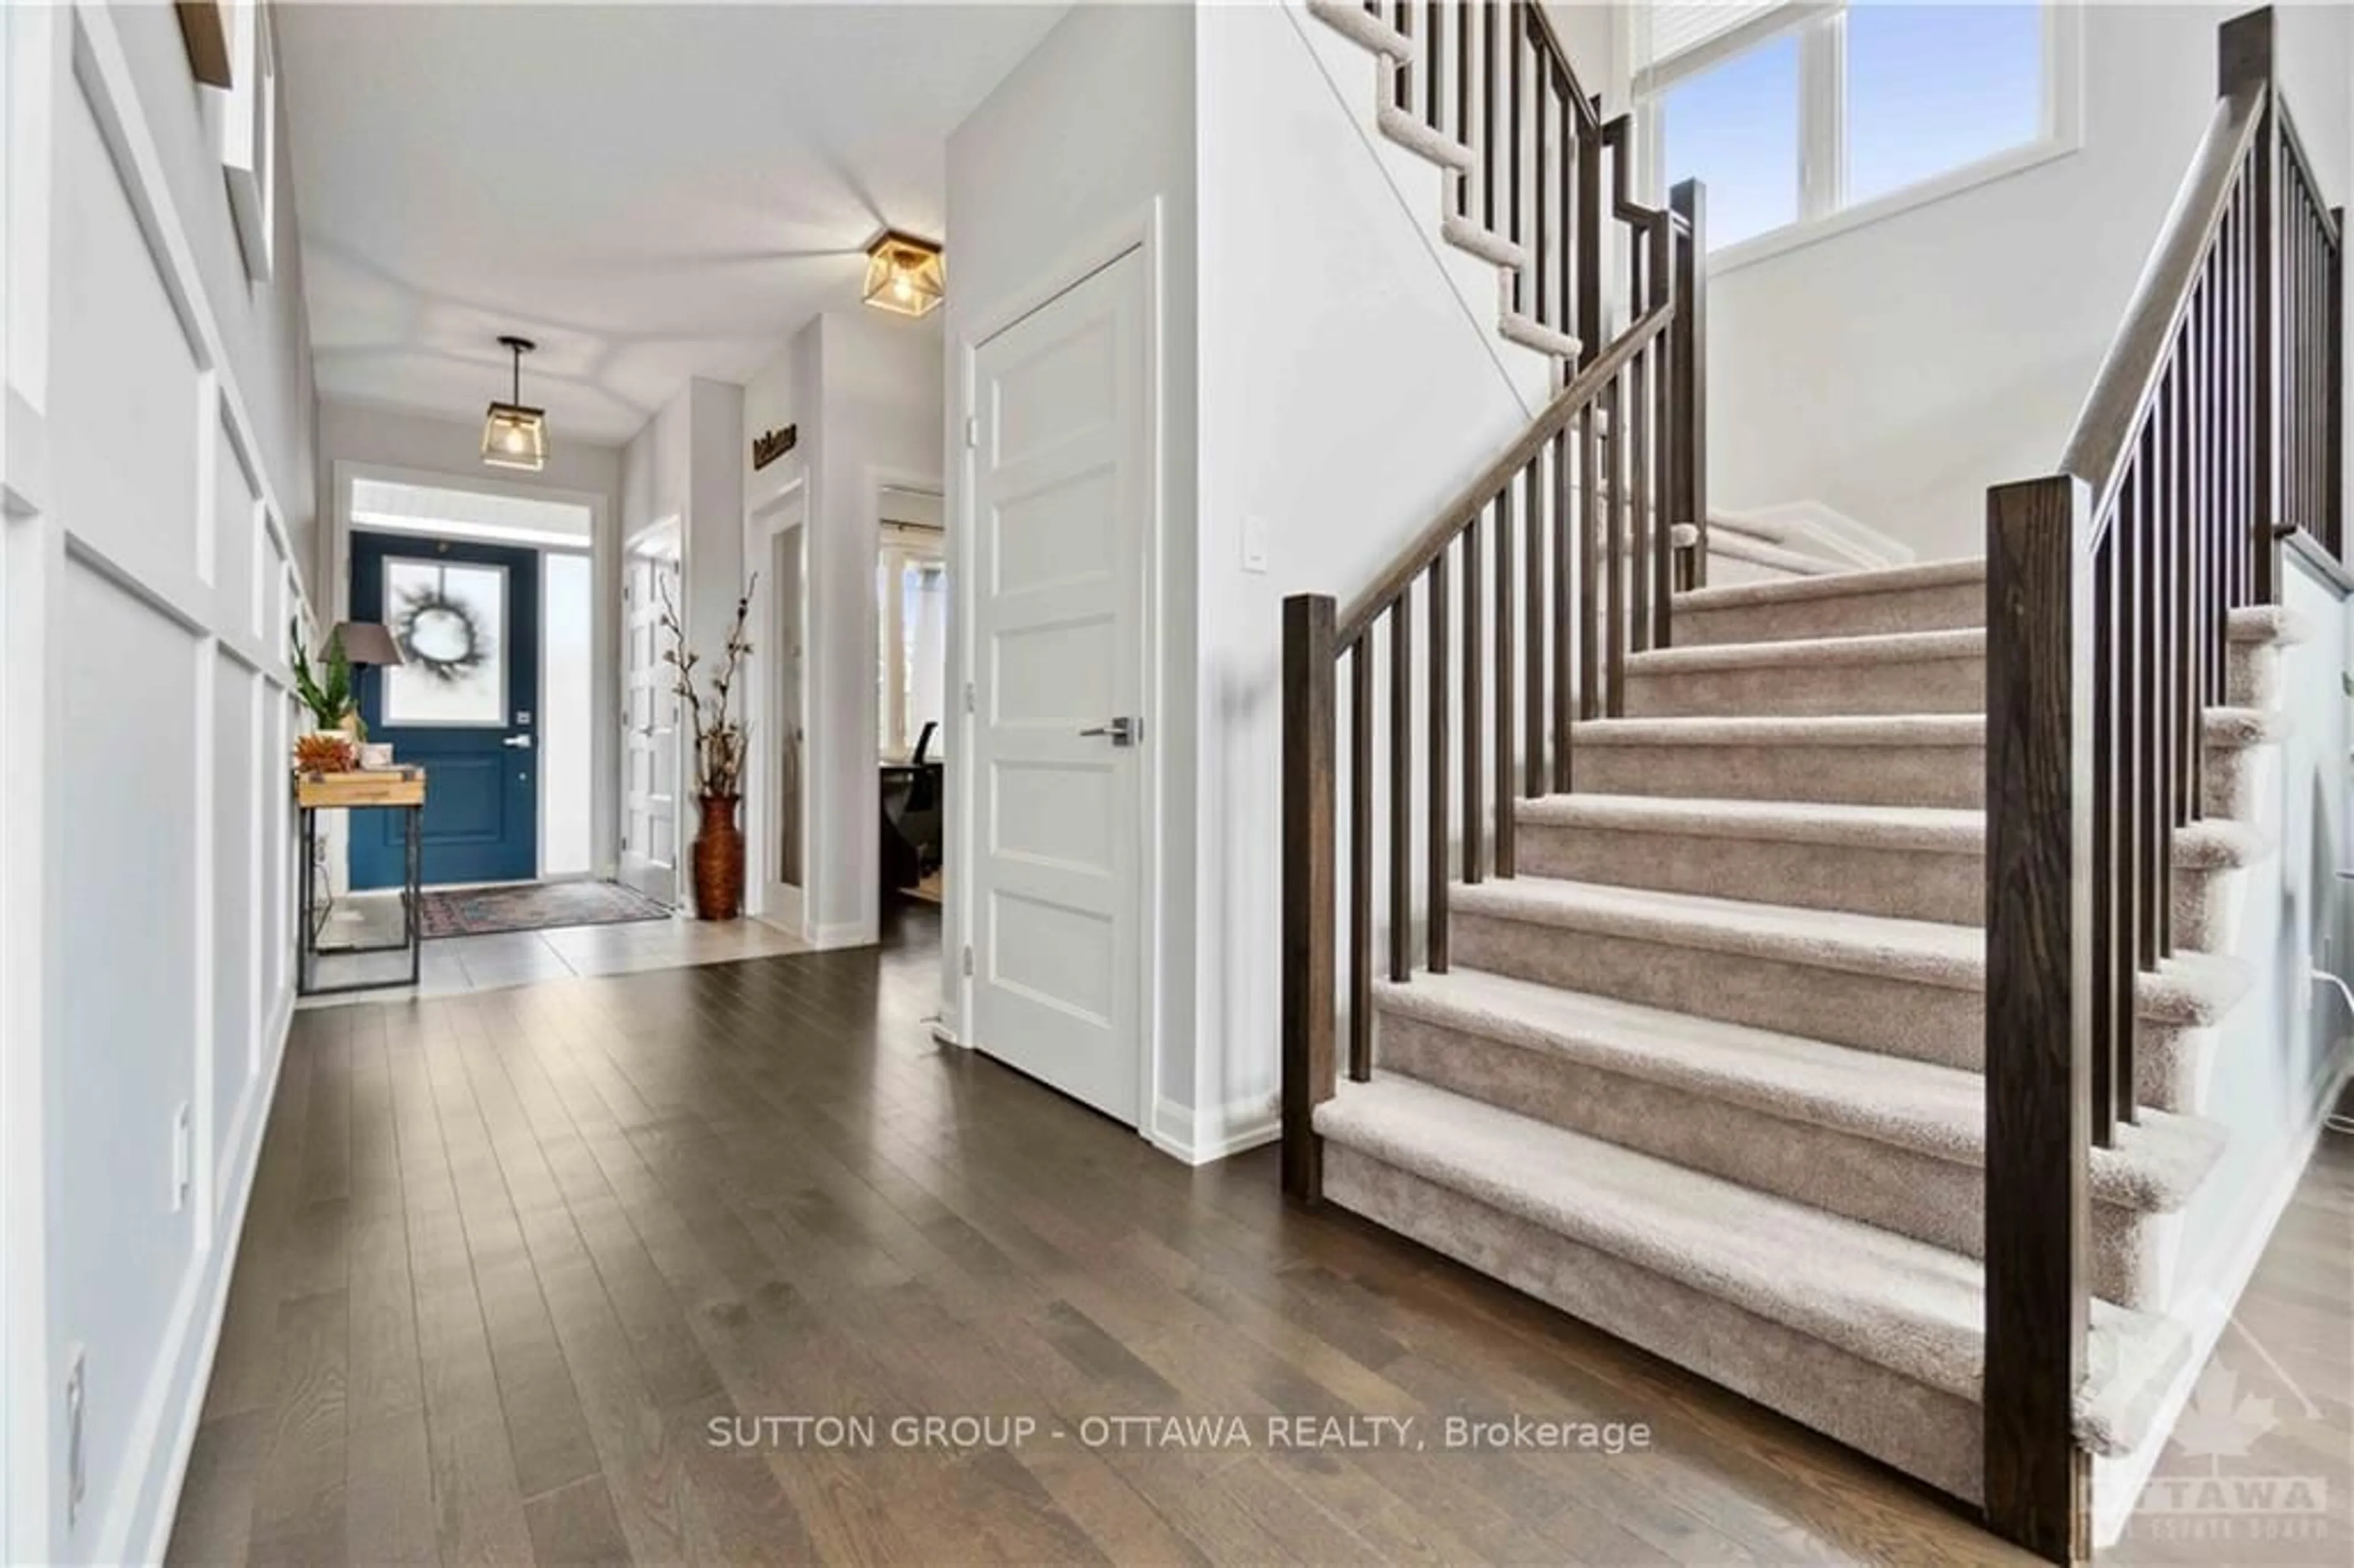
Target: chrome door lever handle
<point x="520" y="742"/>
<point x="1124" y="731"/>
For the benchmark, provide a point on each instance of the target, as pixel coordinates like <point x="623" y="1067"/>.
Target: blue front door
<point x="460" y="705"/>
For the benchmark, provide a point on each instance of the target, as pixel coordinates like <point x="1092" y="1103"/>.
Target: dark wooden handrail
<point x="2211" y="430"/>
<point x="1551" y="421"/>
<point x="2137" y="356"/>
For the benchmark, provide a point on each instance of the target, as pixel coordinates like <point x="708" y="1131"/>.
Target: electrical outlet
<point x="183" y="1156"/>
<point x="74" y="1383"/>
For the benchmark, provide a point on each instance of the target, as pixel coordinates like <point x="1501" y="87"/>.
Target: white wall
<point x="159" y="522"/>
<point x="1342" y="403"/>
<point x="1898" y="370"/>
<point x="1081" y="144"/>
<point x="423" y="448"/>
<point x="866" y="389"/>
<point x="684" y="464"/>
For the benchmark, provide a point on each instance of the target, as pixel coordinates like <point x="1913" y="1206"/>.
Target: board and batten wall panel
<point x="150" y="570"/>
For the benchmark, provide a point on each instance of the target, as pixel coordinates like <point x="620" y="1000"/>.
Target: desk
<point x="387" y="789"/>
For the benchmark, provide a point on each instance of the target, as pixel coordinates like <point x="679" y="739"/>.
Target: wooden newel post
<point x="2039" y="997"/>
<point x="1308" y="888"/>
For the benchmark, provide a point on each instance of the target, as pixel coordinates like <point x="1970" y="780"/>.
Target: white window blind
<point x="1672" y="41"/>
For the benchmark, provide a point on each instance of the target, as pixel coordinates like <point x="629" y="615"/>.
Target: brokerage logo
<point x="2253" y="1469"/>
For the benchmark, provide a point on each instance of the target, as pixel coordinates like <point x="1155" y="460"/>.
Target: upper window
<point x="1803" y="114"/>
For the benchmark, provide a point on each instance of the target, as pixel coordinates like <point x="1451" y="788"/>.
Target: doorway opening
<point x="911" y="588"/>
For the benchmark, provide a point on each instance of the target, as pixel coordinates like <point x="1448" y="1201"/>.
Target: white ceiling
<point x="651" y="192"/>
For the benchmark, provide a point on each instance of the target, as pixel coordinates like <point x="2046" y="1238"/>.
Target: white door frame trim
<point x="1138" y="230"/>
<point x="605" y="824"/>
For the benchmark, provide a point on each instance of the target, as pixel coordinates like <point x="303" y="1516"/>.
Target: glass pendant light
<point x="513" y="435"/>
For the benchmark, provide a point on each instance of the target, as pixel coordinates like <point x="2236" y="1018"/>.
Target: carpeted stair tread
<point x="2229" y="727"/>
<point x="2155" y="1167"/>
<point x="1816" y="652"/>
<point x="2190" y="988"/>
<point x="2205" y="844"/>
<point x="1863" y="729"/>
<point x="1840" y="585"/>
<point x="1899" y="1303"/>
<point x="2272" y="623"/>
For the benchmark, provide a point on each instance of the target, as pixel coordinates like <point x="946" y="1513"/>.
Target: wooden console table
<point x="386" y="789"/>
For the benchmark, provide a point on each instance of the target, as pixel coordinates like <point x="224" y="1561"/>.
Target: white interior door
<point x="650" y="743"/>
<point x="1060" y="498"/>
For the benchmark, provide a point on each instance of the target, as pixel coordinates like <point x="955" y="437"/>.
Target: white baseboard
<point x="1199" y="1137"/>
<point x="202" y="1310"/>
<point x="846" y="934"/>
<point x="2117" y="1484"/>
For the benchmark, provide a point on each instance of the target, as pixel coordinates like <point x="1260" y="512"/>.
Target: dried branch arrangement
<point x="719" y="738"/>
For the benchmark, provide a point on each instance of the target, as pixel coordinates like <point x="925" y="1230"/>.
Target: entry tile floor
<point x="453" y="966"/>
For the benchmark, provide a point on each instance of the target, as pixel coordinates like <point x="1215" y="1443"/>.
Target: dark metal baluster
<point x="2264" y="385"/>
<point x="1492" y="30"/>
<point x="2104" y="870"/>
<point x="1613" y="415"/>
<point x="1638" y="530"/>
<point x="1516" y="40"/>
<point x="1402" y="77"/>
<point x="2333" y="479"/>
<point x="1361" y="857"/>
<point x="1535" y="627"/>
<point x="2183" y="647"/>
<point x="1433" y="74"/>
<point x="1402" y="785"/>
<point x="1541" y="193"/>
<point x="1589" y="565"/>
<point x="1501" y="511"/>
<point x="1474" y="710"/>
<point x="1588" y="229"/>
<point x="1437" y="833"/>
<point x="1565" y="556"/>
<point x="1464" y="15"/>
<point x="1565" y="176"/>
<point x="2133" y="636"/>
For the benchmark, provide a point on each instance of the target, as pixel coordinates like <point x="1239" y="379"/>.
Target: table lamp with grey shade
<point x="369" y="643"/>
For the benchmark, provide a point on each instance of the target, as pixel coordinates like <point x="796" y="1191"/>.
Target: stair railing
<point x="1511" y="616"/>
<point x="2210" y="431"/>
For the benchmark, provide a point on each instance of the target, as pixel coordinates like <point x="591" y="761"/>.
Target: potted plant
<point x="327" y="692"/>
<point x="718" y="761"/>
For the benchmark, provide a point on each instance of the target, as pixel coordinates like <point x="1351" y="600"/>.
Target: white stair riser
<point x="1934" y="1200"/>
<point x="1826" y="690"/>
<point x="1921" y="1431"/>
<point x="1858" y="879"/>
<point x="1893" y="1015"/>
<point x="1951" y="608"/>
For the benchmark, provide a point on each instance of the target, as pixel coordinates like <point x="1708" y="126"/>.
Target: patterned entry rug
<point x="538" y="907"/>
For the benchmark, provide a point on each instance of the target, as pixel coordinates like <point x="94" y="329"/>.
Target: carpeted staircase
<point x="1705" y="1072"/>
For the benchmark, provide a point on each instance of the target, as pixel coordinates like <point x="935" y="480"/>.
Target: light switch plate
<point x="1255" y="531"/>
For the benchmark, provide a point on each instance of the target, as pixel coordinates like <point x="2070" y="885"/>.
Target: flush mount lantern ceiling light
<point x="513" y="435"/>
<point x="905" y="275"/>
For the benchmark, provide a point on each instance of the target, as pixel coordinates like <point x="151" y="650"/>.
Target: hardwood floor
<point x="542" y="1274"/>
